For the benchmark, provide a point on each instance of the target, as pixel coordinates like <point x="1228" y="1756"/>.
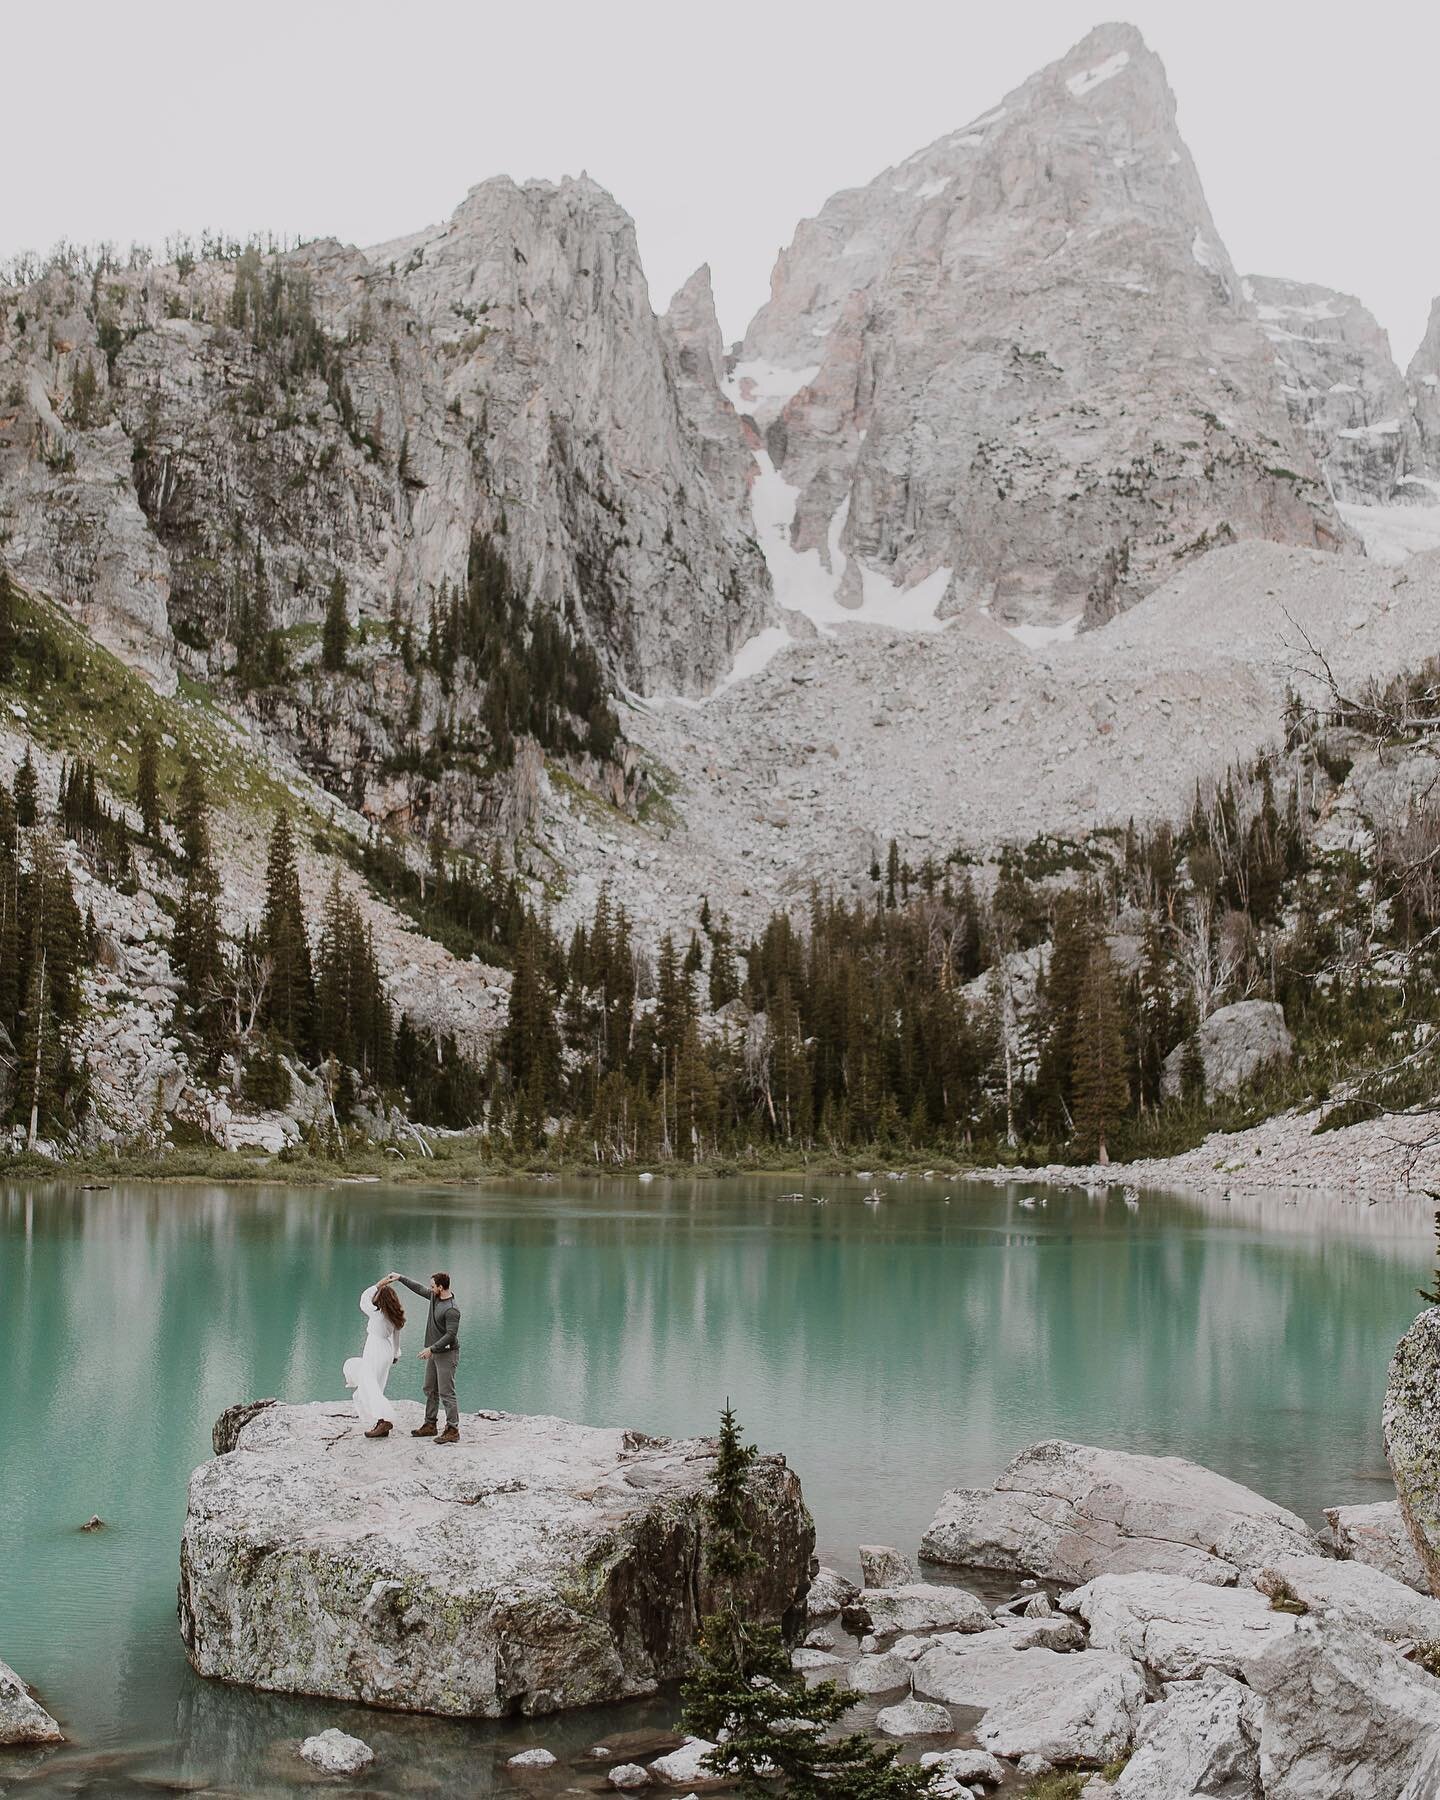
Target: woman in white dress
<point x="368" y="1372"/>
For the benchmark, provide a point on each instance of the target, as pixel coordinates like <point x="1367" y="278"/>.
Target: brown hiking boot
<point x="381" y="1428"/>
<point x="426" y="1430"/>
<point x="448" y="1436"/>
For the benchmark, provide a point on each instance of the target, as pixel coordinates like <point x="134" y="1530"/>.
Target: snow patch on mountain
<point x="1089" y="79"/>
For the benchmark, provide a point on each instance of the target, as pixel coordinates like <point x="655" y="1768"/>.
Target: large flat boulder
<point x="983" y="1677"/>
<point x="536" y="1565"/>
<point x="1202" y="1739"/>
<point x="1412" y="1437"/>
<point x="1345" y="1715"/>
<point x="1375" y="1534"/>
<point x="1179" y="1628"/>
<point x="1069" y="1512"/>
<point x="23" y="1720"/>
<point x="918" y="1606"/>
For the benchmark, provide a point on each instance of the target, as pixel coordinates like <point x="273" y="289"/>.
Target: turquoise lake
<point x="890" y="1351"/>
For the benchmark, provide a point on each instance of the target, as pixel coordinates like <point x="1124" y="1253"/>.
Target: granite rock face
<point x="1363" y="1597"/>
<point x="1020" y="366"/>
<point x="1423" y="380"/>
<point x="1341" y="385"/>
<point x="1412" y="1437"/>
<point x="1089" y="1718"/>
<point x="1236" y="1042"/>
<point x="1376" y="1535"/>
<point x="188" y="443"/>
<point x="23" y="1720"/>
<point x="1343" y="1714"/>
<point x="1202" y="1739"/>
<point x="1069" y="1512"/>
<point x="1179" y="1628"/>
<point x="538" y="1565"/>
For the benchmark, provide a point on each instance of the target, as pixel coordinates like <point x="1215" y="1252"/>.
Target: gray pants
<point x="440" y="1385"/>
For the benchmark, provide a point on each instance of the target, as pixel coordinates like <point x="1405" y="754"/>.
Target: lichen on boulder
<point x="536" y="1565"/>
<point x="1412" y="1437"/>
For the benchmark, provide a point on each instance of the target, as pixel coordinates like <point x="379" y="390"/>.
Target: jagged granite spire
<point x="1019" y="363"/>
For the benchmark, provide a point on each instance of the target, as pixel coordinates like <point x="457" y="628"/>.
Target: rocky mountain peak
<point x="1017" y="367"/>
<point x="1423" y="379"/>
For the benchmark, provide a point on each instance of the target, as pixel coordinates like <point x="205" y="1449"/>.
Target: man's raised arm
<point x="415" y="1287"/>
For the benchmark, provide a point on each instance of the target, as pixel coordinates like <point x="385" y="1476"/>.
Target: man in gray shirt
<point x="440" y="1355"/>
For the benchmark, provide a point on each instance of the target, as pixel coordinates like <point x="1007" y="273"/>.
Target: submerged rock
<point x="337" y="1753"/>
<point x="1069" y="1512"/>
<point x="536" y="1565"/>
<point x="23" y="1720"/>
<point x="1345" y="1715"/>
<point x="1412" y="1437"/>
<point x="1203" y="1738"/>
<point x="530" y="1759"/>
<point x="1376" y="1535"/>
<point x="881" y="1566"/>
<point x="915" y="1718"/>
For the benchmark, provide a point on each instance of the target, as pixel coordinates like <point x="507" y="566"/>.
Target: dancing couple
<point x="369" y="1372"/>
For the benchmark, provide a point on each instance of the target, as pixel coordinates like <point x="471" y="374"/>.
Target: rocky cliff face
<point x="1341" y="385"/>
<point x="188" y="454"/>
<point x="1423" y="379"/>
<point x="1022" y="358"/>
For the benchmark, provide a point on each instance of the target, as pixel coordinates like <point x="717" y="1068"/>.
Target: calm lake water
<point x="890" y="1352"/>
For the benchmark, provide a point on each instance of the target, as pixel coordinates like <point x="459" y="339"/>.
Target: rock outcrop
<point x="536" y="1566"/>
<point x="1412" y="1437"/>
<point x="1236" y="1043"/>
<point x="1070" y="1512"/>
<point x="1341" y="386"/>
<point x="1089" y="1718"/>
<point x="1343" y="1714"/>
<point x="1017" y="371"/>
<point x="1203" y="1738"/>
<point x="1179" y="1628"/>
<point x="190" y="452"/>
<point x="1375" y="1534"/>
<point x="23" y="1720"/>
<point x="1422" y="378"/>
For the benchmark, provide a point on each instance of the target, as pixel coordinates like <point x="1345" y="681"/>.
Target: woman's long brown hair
<point x="389" y="1303"/>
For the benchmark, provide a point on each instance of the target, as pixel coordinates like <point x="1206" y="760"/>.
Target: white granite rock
<point x="23" y="1720"/>
<point x="337" y="1753"/>
<point x="1375" y="1534"/>
<point x="1361" y="1596"/>
<point x="626" y="1776"/>
<point x="1069" y="1512"/>
<point x="881" y="1566"/>
<point x="1343" y="1714"/>
<point x="829" y="1592"/>
<point x="530" y="1759"/>
<point x="985" y="1677"/>
<point x="685" y="1766"/>
<point x="1202" y="1739"/>
<point x="914" y="1719"/>
<point x="879" y="1674"/>
<point x="1236" y="1042"/>
<point x="1088" y="1716"/>
<point x="922" y="1606"/>
<point x="966" y="1765"/>
<point x="1179" y="1628"/>
<point x="1411" y="1422"/>
<point x="536" y="1565"/>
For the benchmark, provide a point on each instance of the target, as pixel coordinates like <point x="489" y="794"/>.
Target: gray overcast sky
<point x="716" y="127"/>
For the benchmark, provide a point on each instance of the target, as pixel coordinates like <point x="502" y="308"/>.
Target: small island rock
<point x="337" y="1753"/>
<point x="23" y="1720"/>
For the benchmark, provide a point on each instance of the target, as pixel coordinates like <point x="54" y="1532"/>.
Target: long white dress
<point x="368" y="1372"/>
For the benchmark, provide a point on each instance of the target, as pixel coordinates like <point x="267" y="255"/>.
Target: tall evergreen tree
<point x="1098" y="1068"/>
<point x="283" y="939"/>
<point x="335" y="634"/>
<point x="147" y="787"/>
<point x="27" y="791"/>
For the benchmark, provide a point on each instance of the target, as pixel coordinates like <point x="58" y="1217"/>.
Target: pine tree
<point x="335" y="634"/>
<point x="1098" y="1067"/>
<point x="284" y="941"/>
<point x="7" y="628"/>
<point x="195" y="941"/>
<point x="1192" y="1069"/>
<point x="772" y="1733"/>
<point x="27" y="791"/>
<point x="147" y="787"/>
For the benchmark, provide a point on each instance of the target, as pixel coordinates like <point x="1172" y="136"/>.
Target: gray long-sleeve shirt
<point x="442" y="1327"/>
